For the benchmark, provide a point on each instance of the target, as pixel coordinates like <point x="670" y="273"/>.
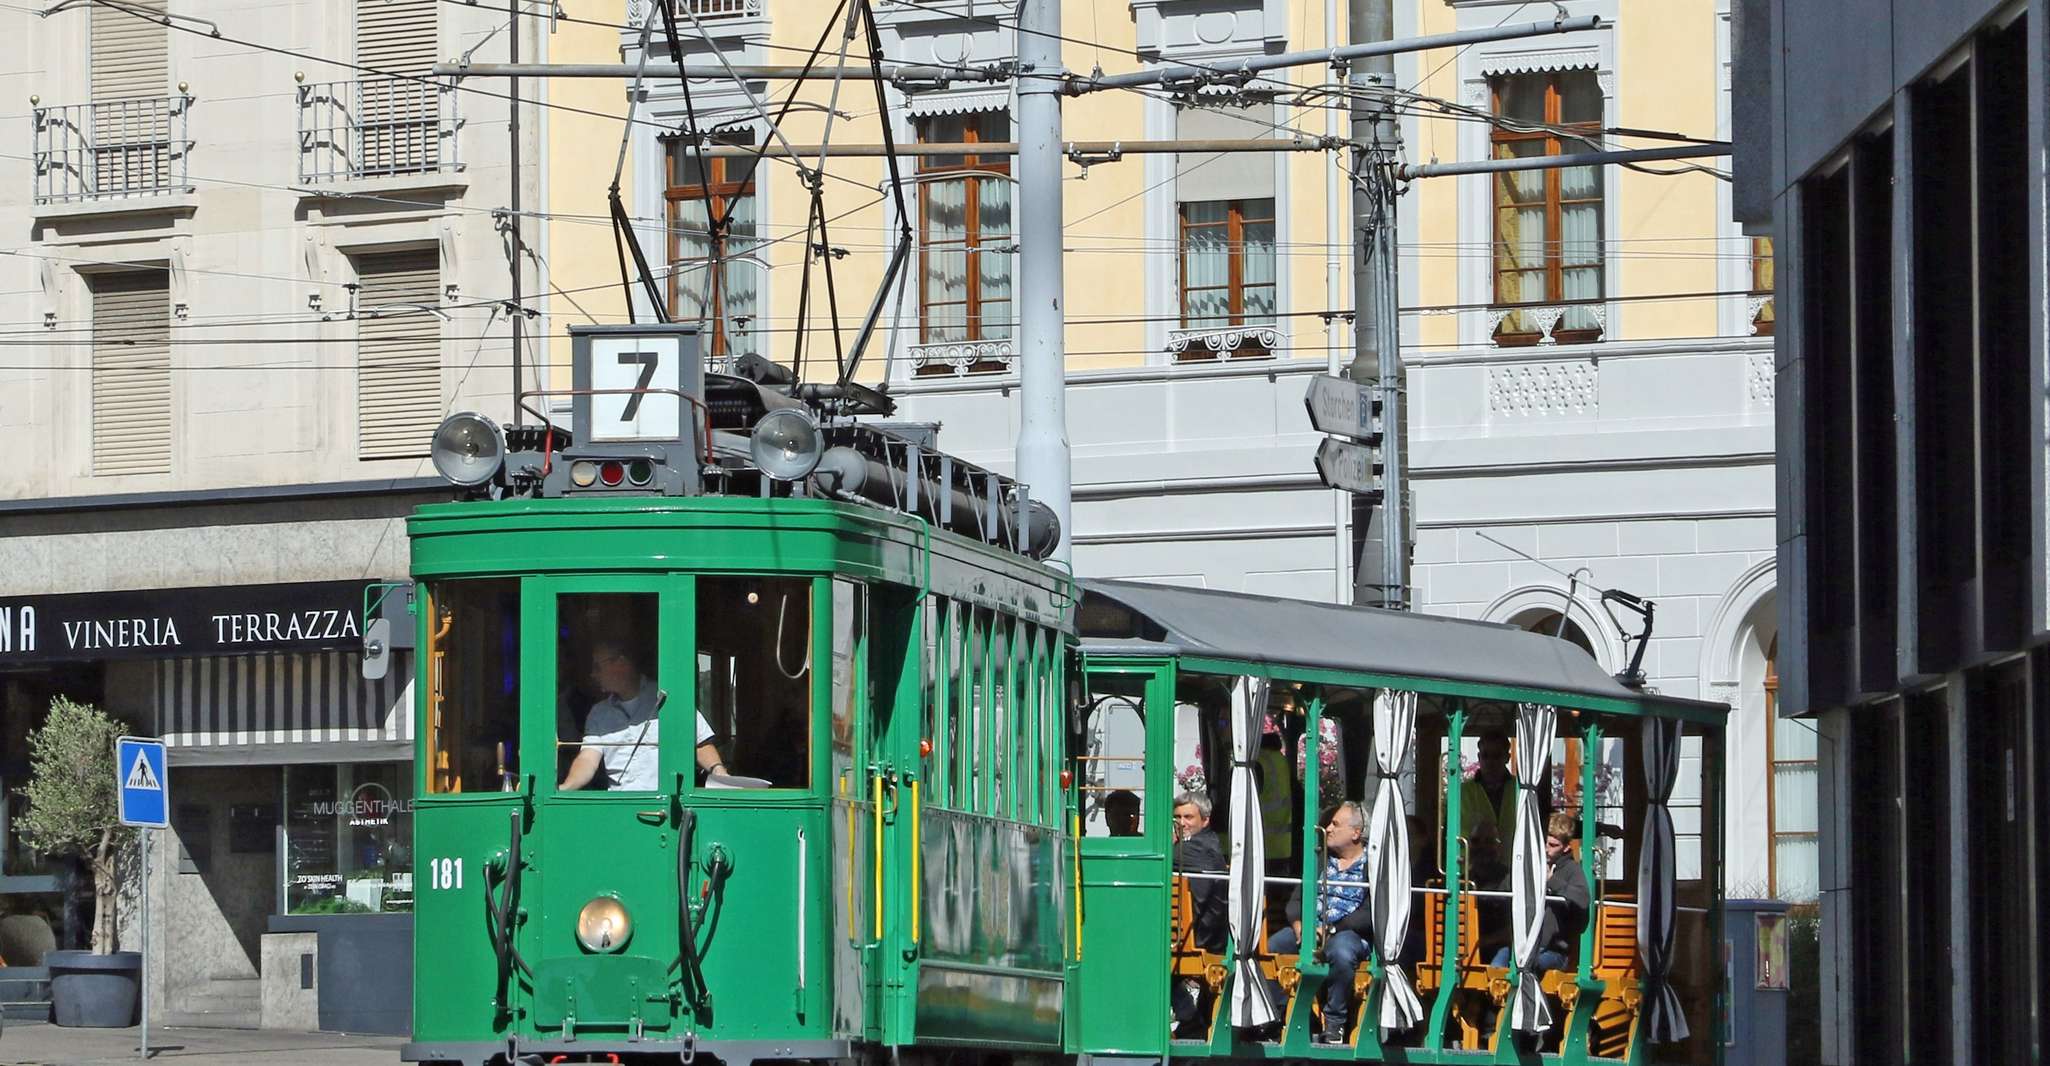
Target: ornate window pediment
<point x="1196" y="29"/>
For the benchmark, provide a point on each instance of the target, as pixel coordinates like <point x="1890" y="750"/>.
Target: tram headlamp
<point x="468" y="449"/>
<point x="603" y="925"/>
<point x="787" y="444"/>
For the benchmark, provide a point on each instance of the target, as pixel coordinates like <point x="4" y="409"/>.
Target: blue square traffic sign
<point x="143" y="782"/>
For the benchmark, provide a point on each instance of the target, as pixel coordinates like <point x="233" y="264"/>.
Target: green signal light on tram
<point x="640" y="472"/>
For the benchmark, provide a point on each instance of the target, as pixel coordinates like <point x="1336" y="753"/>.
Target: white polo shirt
<point x="628" y="736"/>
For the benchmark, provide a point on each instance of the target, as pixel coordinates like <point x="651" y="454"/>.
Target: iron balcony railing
<point x="375" y="127"/>
<point x="110" y="149"/>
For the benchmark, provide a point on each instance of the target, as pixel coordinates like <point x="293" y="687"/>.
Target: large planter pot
<point x="98" y="991"/>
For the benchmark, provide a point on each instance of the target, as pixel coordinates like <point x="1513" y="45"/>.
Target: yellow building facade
<point x="1589" y="369"/>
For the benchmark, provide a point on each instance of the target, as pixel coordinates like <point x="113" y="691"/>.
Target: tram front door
<point x="609" y="741"/>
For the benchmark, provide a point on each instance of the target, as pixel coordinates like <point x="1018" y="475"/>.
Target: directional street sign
<point x="145" y="787"/>
<point x="1342" y="406"/>
<point x="1348" y="466"/>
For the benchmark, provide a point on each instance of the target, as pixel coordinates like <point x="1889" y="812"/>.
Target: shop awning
<point x="284" y="708"/>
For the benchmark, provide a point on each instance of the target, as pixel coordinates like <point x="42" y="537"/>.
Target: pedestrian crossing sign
<point x="140" y="780"/>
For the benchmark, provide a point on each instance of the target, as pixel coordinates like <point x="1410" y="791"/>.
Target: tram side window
<point x="1114" y="756"/>
<point x="850" y="624"/>
<point x="610" y="694"/>
<point x="472" y="714"/>
<point x="1000" y="709"/>
<point x="754" y="674"/>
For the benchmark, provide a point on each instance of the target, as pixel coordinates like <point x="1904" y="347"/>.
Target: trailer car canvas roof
<point x="1123" y="617"/>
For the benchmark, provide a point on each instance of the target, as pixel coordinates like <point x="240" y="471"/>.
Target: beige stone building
<point x="256" y="254"/>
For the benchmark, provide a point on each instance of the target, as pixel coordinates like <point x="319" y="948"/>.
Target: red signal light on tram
<point x="1067" y="778"/>
<point x="611" y="472"/>
<point x="925" y="749"/>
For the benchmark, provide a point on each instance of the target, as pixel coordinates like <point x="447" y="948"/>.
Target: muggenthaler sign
<point x="153" y="623"/>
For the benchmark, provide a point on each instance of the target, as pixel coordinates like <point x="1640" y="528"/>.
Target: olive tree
<point x="72" y="808"/>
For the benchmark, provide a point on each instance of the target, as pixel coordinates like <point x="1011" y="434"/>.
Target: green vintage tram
<point x="753" y="731"/>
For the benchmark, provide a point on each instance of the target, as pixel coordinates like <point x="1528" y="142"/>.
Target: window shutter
<point x="398" y="354"/>
<point x="1203" y="176"/>
<point x="395" y="36"/>
<point x="129" y="54"/>
<point x="131" y="373"/>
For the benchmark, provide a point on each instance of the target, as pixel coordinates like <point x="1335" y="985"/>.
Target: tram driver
<point x="622" y="734"/>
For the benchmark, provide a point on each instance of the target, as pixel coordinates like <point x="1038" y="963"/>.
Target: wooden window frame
<point x="972" y="170"/>
<point x="1235" y="220"/>
<point x="1772" y="767"/>
<point x="722" y="190"/>
<point x="1761" y="263"/>
<point x="1555" y="285"/>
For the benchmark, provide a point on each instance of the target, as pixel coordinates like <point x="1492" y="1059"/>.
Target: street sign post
<point x="1344" y="407"/>
<point x="142" y="780"/>
<point x="1348" y="466"/>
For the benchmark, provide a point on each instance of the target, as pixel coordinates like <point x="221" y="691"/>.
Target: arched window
<point x="1547" y="622"/>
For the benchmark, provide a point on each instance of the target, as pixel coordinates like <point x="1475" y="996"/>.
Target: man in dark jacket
<point x="1197" y="850"/>
<point x="1566" y="900"/>
<point x="1344" y="918"/>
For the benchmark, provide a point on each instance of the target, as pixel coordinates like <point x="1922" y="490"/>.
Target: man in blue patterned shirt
<point x="1345" y="923"/>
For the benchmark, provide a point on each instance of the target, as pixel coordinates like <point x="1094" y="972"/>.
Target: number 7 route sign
<point x="143" y="782"/>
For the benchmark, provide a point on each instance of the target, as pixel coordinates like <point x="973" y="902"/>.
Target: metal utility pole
<point x="1382" y="577"/>
<point x="513" y="220"/>
<point x="1043" y="461"/>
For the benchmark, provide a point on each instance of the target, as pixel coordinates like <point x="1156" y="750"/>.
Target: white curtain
<point x="946" y="260"/>
<point x="993" y="267"/>
<point x="1535" y="725"/>
<point x="1656" y="909"/>
<point x="1388" y="869"/>
<point x="1580" y="243"/>
<point x="1250" y="1005"/>
<point x="1206" y="265"/>
<point x="1796" y="877"/>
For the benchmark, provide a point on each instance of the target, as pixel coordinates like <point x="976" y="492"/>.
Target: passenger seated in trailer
<point x="1121" y="813"/>
<point x="622" y="735"/>
<point x="1566" y="901"/>
<point x="1487" y="869"/>
<point x="1197" y="850"/>
<point x="1345" y="923"/>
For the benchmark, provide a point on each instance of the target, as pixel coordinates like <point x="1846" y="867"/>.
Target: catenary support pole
<point x="513" y="216"/>
<point x="1382" y="577"/>
<point x="1043" y="461"/>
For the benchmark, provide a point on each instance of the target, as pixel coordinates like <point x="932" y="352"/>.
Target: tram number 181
<point x="444" y="873"/>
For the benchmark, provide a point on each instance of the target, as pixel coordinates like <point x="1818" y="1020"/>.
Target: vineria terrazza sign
<point x="156" y="623"/>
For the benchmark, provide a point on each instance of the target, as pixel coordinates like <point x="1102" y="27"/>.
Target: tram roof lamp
<point x="468" y="449"/>
<point x="787" y="444"/>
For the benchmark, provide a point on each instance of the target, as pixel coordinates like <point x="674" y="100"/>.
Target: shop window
<point x="348" y="838"/>
<point x="1762" y="286"/>
<point x="1114" y="756"/>
<point x="610" y="708"/>
<point x="754" y="674"/>
<point x="472" y="706"/>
